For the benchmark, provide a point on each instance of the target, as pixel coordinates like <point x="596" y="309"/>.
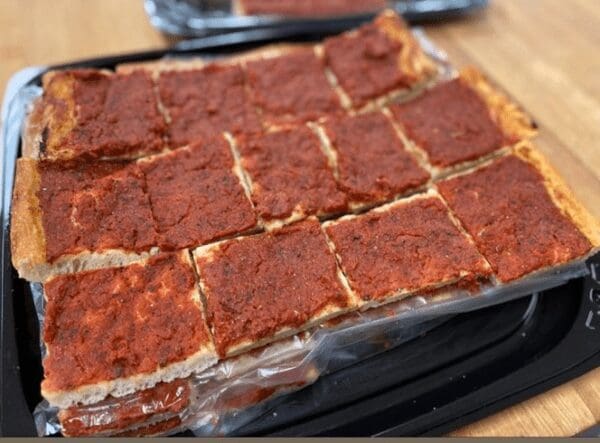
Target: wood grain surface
<point x="546" y="53"/>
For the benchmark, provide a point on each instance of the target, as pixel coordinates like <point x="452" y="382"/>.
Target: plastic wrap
<point x="237" y="390"/>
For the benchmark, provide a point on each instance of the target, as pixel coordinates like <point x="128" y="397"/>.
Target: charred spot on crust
<point x="44" y="141"/>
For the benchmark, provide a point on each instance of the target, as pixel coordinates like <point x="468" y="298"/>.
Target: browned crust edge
<point x="412" y="61"/>
<point x="155" y="67"/>
<point x="560" y="192"/>
<point x="27" y="238"/>
<point x="514" y="122"/>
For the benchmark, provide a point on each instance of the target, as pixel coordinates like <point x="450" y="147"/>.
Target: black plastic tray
<point x="498" y="371"/>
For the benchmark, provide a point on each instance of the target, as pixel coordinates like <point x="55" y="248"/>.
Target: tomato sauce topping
<point x="115" y="115"/>
<point x="257" y="286"/>
<point x="507" y="210"/>
<point x="291" y="88"/>
<point x="409" y="246"/>
<point x="195" y="196"/>
<point x="372" y="163"/>
<point x="366" y="63"/>
<point x="451" y="123"/>
<point x="307" y="8"/>
<point x="203" y="103"/>
<point x="94" y="206"/>
<point x="290" y="174"/>
<point x="119" y="322"/>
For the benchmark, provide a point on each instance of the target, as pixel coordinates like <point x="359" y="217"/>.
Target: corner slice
<point x="289" y="176"/>
<point x="403" y="248"/>
<point x="377" y="59"/>
<point x="460" y="121"/>
<point x="95" y="114"/>
<point x="69" y="216"/>
<point x="115" y="331"/>
<point x="261" y="288"/>
<point x="520" y="214"/>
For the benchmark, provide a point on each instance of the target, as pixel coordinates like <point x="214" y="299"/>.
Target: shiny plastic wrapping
<point x="236" y="391"/>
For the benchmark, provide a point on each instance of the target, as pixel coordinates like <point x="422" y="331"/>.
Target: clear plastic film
<point x="238" y="390"/>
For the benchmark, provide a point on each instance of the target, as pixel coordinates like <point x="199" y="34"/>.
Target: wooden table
<point x="545" y="52"/>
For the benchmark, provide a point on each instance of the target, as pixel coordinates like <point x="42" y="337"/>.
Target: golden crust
<point x="155" y="67"/>
<point x="513" y="121"/>
<point x="33" y="130"/>
<point x="560" y="192"/>
<point x="28" y="243"/>
<point x="58" y="114"/>
<point x="412" y="60"/>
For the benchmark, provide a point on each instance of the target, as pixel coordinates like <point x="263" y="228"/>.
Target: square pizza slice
<point x="196" y="195"/>
<point x="371" y="162"/>
<point x="290" y="86"/>
<point x="520" y="214"/>
<point x="69" y="216"/>
<point x="114" y="331"/>
<point x="289" y="176"/>
<point x="93" y="114"/>
<point x="378" y="59"/>
<point x="461" y="121"/>
<point x="203" y="103"/>
<point x="406" y="247"/>
<point x="261" y="288"/>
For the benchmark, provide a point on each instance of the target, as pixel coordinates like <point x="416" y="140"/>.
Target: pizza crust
<point x="412" y="60"/>
<point x="561" y="194"/>
<point x="514" y="122"/>
<point x="120" y="387"/>
<point x="28" y="238"/>
<point x="202" y="359"/>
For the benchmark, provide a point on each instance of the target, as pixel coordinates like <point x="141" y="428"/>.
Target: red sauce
<point x="411" y="246"/>
<point x="259" y="285"/>
<point x="371" y="160"/>
<point x="366" y="63"/>
<point x="195" y="196"/>
<point x="94" y="206"/>
<point x="514" y="222"/>
<point x="120" y="413"/>
<point x="451" y="123"/>
<point x="290" y="172"/>
<point x="291" y="88"/>
<point x="116" y="115"/>
<point x="159" y="428"/>
<point x="304" y="8"/>
<point x="203" y="103"/>
<point x="120" y="322"/>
